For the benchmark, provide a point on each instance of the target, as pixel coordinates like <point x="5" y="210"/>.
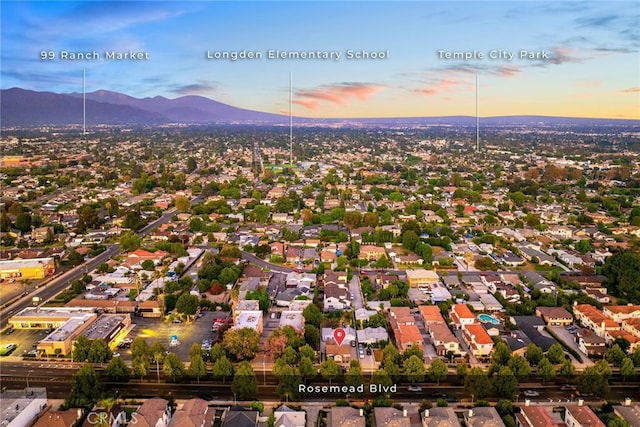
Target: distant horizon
<point x="347" y="59"/>
<point x="79" y="94"/>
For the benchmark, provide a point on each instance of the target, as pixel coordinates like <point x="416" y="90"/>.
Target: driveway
<point x="569" y="340"/>
<point x="356" y="291"/>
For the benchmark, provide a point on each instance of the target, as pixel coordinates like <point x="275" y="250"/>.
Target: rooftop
<point x="104" y="326"/>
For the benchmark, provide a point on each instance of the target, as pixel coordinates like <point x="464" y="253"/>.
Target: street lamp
<point x="29" y="373"/>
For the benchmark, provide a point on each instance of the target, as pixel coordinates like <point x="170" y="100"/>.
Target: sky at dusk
<point x="582" y="58"/>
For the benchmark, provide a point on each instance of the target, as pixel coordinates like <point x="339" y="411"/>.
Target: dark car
<point x="368" y="351"/>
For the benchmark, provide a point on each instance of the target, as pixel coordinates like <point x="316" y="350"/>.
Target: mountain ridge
<point x="23" y="107"/>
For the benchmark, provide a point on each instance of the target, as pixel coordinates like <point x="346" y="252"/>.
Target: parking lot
<point x="24" y="338"/>
<point x="153" y="329"/>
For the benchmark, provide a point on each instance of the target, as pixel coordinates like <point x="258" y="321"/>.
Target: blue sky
<point x="592" y="67"/>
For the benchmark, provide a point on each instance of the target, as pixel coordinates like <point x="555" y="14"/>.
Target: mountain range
<point x="26" y="108"/>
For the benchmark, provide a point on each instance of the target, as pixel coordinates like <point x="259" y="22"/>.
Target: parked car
<point x="531" y="393"/>
<point x="416" y="388"/>
<point x="7" y="349"/>
<point x="369" y="351"/>
<point x="566" y="387"/>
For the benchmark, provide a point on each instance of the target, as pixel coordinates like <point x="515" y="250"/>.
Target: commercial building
<point x="422" y="278"/>
<point x="35" y="268"/>
<point x="20" y="408"/>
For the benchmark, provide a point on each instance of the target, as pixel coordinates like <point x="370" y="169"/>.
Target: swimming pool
<point x="485" y="318"/>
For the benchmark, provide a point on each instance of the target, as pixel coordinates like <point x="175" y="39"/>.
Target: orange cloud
<point x="336" y="94"/>
<point x="441" y="86"/>
<point x="631" y="90"/>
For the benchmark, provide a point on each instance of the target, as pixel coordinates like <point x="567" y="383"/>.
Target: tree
<point x="223" y="368"/>
<point x="477" y="383"/>
<point x="546" y="370"/>
<point x="182" y="203"/>
<point x="617" y="422"/>
<point x="615" y="355"/>
<point x="217" y="352"/>
<point x="505" y="383"/>
<point x="140" y="356"/>
<point x="187" y="304"/>
<point x="501" y="355"/>
<point x="157" y="354"/>
<point x="23" y="222"/>
<point x="533" y="354"/>
<point x="567" y="369"/>
<point x="627" y="369"/>
<point x="261" y="295"/>
<point x="99" y="352"/>
<point x="245" y="383"/>
<point x="306" y="368"/>
<point x="75" y="258"/>
<point x="228" y="275"/>
<point x="242" y="344"/>
<point x="520" y="367"/>
<point x="86" y="388"/>
<point x="414" y="369"/>
<point x="81" y="348"/>
<point x="173" y="366"/>
<point x="438" y="371"/>
<point x="78" y="286"/>
<point x="117" y="369"/>
<point x="414" y="350"/>
<point x="130" y="241"/>
<point x="87" y="218"/>
<point x="381" y="379"/>
<point x="312" y="315"/>
<point x="555" y="354"/>
<point x="289" y="379"/>
<point x="504" y="407"/>
<point x="354" y="377"/>
<point x="312" y="336"/>
<point x="462" y="369"/>
<point x="410" y="239"/>
<point x="593" y="382"/>
<point x="330" y="370"/>
<point x="623" y="275"/>
<point x="352" y="219"/>
<point x="148" y="265"/>
<point x="197" y="367"/>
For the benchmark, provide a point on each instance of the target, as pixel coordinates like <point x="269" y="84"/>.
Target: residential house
<point x="483" y="417"/>
<point x="193" y="413"/>
<point x="443" y="339"/>
<point x="372" y="335"/>
<point x="371" y="253"/>
<point x="237" y="416"/>
<point x="339" y="416"/>
<point x="630" y="413"/>
<point x="440" y="417"/>
<point x="154" y="412"/>
<point x="335" y="297"/>
<point x="537" y="416"/>
<point x="532" y="327"/>
<point x="478" y="340"/>
<point x="68" y="418"/>
<point x="461" y="316"/>
<point x="287" y="417"/>
<point x="555" y="316"/>
<point x="590" y="343"/>
<point x="581" y="416"/>
<point x="622" y="312"/>
<point x="391" y="417"/>
<point x="592" y="318"/>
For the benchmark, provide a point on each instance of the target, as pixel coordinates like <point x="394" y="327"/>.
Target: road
<point x="264" y="264"/>
<point x="58" y="284"/>
<point x="57" y="378"/>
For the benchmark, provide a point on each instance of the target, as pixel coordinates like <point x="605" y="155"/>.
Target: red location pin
<point x="339" y="335"/>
